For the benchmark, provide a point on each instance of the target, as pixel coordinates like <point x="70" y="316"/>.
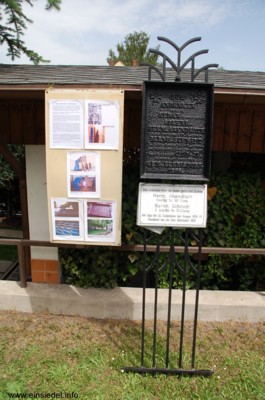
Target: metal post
<point x="143" y="301"/>
<point x="198" y="281"/>
<point x="171" y="261"/>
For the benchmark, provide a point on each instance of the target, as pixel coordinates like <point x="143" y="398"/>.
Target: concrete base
<point x="126" y="303"/>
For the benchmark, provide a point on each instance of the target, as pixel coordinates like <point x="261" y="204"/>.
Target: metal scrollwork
<point x="178" y="66"/>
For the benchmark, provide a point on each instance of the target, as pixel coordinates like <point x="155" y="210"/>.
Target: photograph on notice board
<point x="102" y="118"/>
<point x="100" y="221"/>
<point x="67" y="219"/>
<point x="83" y="174"/>
<point x="66" y="124"/>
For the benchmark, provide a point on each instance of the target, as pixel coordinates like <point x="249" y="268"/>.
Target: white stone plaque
<point x="168" y="205"/>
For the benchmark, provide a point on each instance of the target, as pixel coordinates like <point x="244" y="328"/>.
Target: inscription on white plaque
<point x="165" y="205"/>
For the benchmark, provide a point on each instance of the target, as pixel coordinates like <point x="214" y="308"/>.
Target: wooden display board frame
<point x="84" y="152"/>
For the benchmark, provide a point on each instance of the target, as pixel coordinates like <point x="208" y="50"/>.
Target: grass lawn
<point x="82" y="358"/>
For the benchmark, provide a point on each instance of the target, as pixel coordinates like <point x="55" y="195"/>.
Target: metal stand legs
<point x="172" y="264"/>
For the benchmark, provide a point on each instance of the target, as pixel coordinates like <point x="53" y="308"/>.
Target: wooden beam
<point x="141" y="247"/>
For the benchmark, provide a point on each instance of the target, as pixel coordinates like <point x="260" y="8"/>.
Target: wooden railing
<point x="22" y="243"/>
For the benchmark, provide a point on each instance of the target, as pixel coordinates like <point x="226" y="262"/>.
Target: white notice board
<point x="169" y="205"/>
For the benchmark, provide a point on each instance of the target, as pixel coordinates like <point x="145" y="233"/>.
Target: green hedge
<point x="236" y="218"/>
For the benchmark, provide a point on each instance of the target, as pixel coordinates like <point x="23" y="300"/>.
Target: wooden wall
<point x="132" y="124"/>
<point x="236" y="127"/>
<point x="239" y="128"/>
<point x="22" y="122"/>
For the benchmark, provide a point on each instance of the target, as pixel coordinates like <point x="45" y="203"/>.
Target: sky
<point x="83" y="31"/>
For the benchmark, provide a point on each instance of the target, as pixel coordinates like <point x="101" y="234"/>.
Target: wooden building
<point x="238" y="126"/>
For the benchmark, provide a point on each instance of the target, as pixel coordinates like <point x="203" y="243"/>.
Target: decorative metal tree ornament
<point x="178" y="67"/>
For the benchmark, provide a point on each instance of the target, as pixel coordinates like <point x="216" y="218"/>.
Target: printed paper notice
<point x="67" y="219"/>
<point x="179" y="206"/>
<point x="102" y="124"/>
<point x="83" y="170"/>
<point x="66" y="124"/>
<point x="100" y="221"/>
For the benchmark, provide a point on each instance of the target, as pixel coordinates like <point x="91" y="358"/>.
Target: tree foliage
<point x="9" y="186"/>
<point x="13" y="25"/>
<point x="134" y="47"/>
<point x="7" y="175"/>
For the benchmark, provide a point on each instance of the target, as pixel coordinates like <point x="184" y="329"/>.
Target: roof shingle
<point x="15" y="75"/>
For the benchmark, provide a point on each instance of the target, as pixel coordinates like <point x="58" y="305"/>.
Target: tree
<point x="134" y="47"/>
<point x="15" y="24"/>
<point x="9" y="187"/>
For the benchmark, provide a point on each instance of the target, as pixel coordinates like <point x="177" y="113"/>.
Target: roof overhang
<point x="37" y="91"/>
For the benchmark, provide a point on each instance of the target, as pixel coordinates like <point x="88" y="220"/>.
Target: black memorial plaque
<point x="176" y="130"/>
